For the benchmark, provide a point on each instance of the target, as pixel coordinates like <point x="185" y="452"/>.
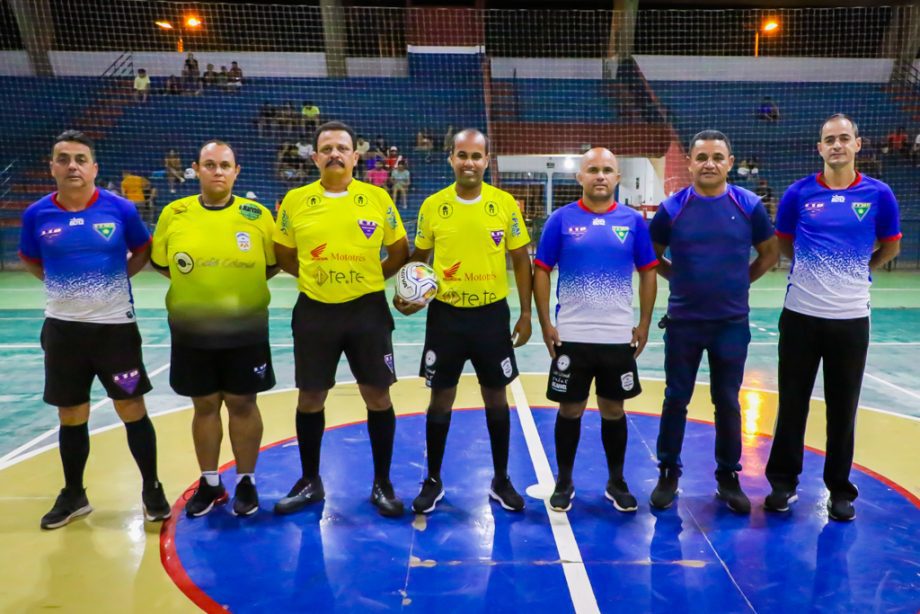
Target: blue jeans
<point x="726" y="344"/>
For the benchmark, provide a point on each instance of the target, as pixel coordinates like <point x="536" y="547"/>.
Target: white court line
<point x="11" y="456"/>
<point x="895" y="386"/>
<point x="576" y="576"/>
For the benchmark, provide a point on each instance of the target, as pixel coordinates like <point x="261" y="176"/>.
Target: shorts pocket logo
<point x="563" y="362"/>
<point x="128" y="380"/>
<point x="430" y="358"/>
<point x="507" y="369"/>
<point x="627" y="381"/>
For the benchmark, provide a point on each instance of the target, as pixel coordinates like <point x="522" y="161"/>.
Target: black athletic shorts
<point x="77" y="352"/>
<point x="197" y="372"/>
<point x="611" y="366"/>
<point x="481" y="335"/>
<point x="361" y="328"/>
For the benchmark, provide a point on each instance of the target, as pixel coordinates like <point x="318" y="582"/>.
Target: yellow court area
<point x="110" y="561"/>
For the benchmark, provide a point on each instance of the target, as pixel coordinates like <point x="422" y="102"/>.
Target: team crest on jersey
<point x="491" y="208"/>
<point x="313" y="201"/>
<point x="814" y="206"/>
<point x="184" y="263"/>
<point x="128" y="380"/>
<point x="497" y="236"/>
<point x="261" y="370"/>
<point x="250" y="212"/>
<point x="50" y="232"/>
<point x="360" y="200"/>
<point x="861" y="209"/>
<point x="243" y="241"/>
<point x="451" y="271"/>
<point x="838" y="198"/>
<point x="367" y="227"/>
<point x="388" y="359"/>
<point x="445" y="210"/>
<point x="576" y="231"/>
<point x="627" y="381"/>
<point x="76" y="221"/>
<point x="621" y="232"/>
<point x="106" y="229"/>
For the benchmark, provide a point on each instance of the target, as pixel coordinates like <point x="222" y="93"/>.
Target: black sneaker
<point x="67" y="506"/>
<point x="618" y="492"/>
<point x="561" y="499"/>
<point x="779" y="500"/>
<point x="730" y="491"/>
<point x="245" y="498"/>
<point x="386" y="501"/>
<point x="427" y="499"/>
<point x="205" y="498"/>
<point x="303" y="493"/>
<point x="841" y="509"/>
<point x="156" y="507"/>
<point x="665" y="490"/>
<point x="502" y="490"/>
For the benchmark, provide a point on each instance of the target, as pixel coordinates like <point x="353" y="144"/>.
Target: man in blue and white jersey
<point x="710" y="228"/>
<point x="596" y="244"/>
<point x="85" y="244"/>
<point x="836" y="226"/>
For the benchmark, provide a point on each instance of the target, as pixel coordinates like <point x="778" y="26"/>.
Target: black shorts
<point x="77" y="352"/>
<point x="481" y="335"/>
<point x="611" y="366"/>
<point x="362" y="328"/>
<point x="244" y="370"/>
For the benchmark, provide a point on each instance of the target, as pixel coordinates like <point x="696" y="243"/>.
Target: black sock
<point x="568" y="432"/>
<point x="310" y="429"/>
<point x="613" y="434"/>
<point x="74" y="448"/>
<point x="142" y="441"/>
<point x="437" y="424"/>
<point x="498" y="419"/>
<point x="381" y="426"/>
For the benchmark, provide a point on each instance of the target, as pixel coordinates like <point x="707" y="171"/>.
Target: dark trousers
<point x="804" y="341"/>
<point x="726" y="345"/>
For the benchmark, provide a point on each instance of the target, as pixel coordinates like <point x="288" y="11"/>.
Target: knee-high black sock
<point x="568" y="432"/>
<point x="74" y="448"/>
<point x="142" y="441"/>
<point x="498" y="419"/>
<point x="310" y="429"/>
<point x="381" y="426"/>
<point x="613" y="434"/>
<point x="437" y="424"/>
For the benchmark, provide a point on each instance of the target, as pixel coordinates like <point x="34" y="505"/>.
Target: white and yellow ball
<point x="416" y="283"/>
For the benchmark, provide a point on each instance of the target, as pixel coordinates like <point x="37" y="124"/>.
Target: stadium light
<point x="769" y="26"/>
<point x="164" y="24"/>
<point x="192" y="21"/>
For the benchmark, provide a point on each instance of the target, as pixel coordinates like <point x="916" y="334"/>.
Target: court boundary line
<point x="573" y="566"/>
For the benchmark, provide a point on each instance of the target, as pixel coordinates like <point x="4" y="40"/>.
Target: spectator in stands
<point x="191" y="75"/>
<point x="448" y="139"/>
<point x="868" y="161"/>
<point x="223" y="78"/>
<point x="173" y="86"/>
<point x="209" y="78"/>
<point x="138" y="190"/>
<point x="288" y="164"/>
<point x="267" y="120"/>
<point x="765" y="192"/>
<point x="380" y="145"/>
<point x="400" y="180"/>
<point x="915" y="150"/>
<point x="363" y="148"/>
<point x="744" y="170"/>
<point x="897" y="141"/>
<point x="768" y="110"/>
<point x="174" y="172"/>
<point x="755" y="167"/>
<point x="309" y="116"/>
<point x="393" y="158"/>
<point x="305" y="152"/>
<point x="141" y="85"/>
<point x="235" y="77"/>
<point x="287" y="118"/>
<point x="378" y="175"/>
<point x="424" y="143"/>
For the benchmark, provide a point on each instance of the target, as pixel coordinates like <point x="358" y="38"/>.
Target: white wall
<point x="727" y="68"/>
<point x="641" y="172"/>
<point x="548" y="68"/>
<point x="15" y="64"/>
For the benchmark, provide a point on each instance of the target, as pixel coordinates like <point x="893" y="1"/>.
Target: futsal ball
<point x="416" y="283"/>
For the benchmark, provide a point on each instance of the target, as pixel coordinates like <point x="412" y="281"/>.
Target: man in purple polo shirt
<point x="836" y="226"/>
<point x="709" y="228"/>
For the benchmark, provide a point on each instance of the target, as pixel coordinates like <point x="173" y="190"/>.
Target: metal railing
<point x="123" y="66"/>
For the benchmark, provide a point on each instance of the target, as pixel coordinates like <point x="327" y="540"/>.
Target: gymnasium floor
<point x="469" y="555"/>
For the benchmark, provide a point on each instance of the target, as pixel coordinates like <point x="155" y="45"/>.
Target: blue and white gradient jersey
<point x="596" y="254"/>
<point x="710" y="240"/>
<point x="833" y="234"/>
<point x="84" y="256"/>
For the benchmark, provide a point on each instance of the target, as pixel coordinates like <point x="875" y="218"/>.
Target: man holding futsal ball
<point x="470" y="225"/>
<point x="329" y="235"/>
<point x="836" y="226"/>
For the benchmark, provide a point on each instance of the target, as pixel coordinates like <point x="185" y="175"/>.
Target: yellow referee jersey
<point x="470" y="239"/>
<point x="338" y="238"/>
<point x="218" y="295"/>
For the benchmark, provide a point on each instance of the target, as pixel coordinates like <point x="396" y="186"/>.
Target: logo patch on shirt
<point x="621" y="232"/>
<point x="184" y="263"/>
<point x="861" y="209"/>
<point x="250" y="212"/>
<point x="106" y="229"/>
<point x="491" y="208"/>
<point x="451" y="297"/>
<point x="50" y="232"/>
<point x="814" y="206"/>
<point x="313" y="201"/>
<point x="360" y="200"/>
<point x="285" y="222"/>
<point x="515" y="226"/>
<point x="243" y="242"/>
<point x="430" y="358"/>
<point x="317" y="252"/>
<point x="563" y="362"/>
<point x="367" y="227"/>
<point x="128" y="380"/>
<point x="838" y="198"/>
<point x="497" y="236"/>
<point x="445" y="210"/>
<point x="391" y="218"/>
<point x="576" y="231"/>
<point x="598" y="221"/>
<point x="261" y="370"/>
<point x="451" y="271"/>
<point x="77" y="221"/>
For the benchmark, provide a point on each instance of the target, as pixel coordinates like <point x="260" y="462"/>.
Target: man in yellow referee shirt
<point x="217" y="250"/>
<point x="470" y="225"/>
<point x="329" y="235"/>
